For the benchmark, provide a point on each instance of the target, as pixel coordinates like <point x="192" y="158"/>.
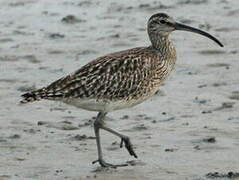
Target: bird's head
<point x="161" y="24"/>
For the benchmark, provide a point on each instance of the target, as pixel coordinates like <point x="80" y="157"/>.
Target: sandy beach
<point x="188" y="131"/>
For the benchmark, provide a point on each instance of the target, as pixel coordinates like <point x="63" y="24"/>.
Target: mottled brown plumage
<point x="124" y="75"/>
<point x="119" y="80"/>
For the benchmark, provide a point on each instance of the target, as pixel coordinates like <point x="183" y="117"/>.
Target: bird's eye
<point x="162" y="21"/>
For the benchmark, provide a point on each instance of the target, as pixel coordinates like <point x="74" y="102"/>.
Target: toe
<point x="108" y="165"/>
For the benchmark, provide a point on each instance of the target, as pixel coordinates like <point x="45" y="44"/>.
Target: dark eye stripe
<point x="162" y="22"/>
<point x="156" y="22"/>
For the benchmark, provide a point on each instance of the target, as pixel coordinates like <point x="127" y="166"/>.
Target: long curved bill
<point x="182" y="27"/>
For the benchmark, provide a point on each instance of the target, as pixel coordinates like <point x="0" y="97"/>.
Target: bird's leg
<point x="124" y="139"/>
<point x="97" y="125"/>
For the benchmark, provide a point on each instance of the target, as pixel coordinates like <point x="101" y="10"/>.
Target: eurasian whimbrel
<point x="119" y="80"/>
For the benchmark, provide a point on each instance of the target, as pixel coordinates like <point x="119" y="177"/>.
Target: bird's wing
<point x="116" y="76"/>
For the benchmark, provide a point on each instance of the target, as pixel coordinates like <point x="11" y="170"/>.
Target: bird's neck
<point x="160" y="42"/>
<point x="163" y="45"/>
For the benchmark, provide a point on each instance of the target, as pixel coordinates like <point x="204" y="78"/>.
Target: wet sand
<point x="188" y="130"/>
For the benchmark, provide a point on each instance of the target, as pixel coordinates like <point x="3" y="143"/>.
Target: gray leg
<point x="99" y="124"/>
<point x="124" y="139"/>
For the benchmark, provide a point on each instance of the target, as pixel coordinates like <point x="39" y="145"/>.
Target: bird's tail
<point x="34" y="96"/>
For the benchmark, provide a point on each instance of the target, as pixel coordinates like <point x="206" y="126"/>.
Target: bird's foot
<point x="126" y="141"/>
<point x="108" y="165"/>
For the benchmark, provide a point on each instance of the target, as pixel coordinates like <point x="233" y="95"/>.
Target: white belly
<point x="103" y="105"/>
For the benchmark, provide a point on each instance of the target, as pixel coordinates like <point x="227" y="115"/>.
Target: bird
<point x="119" y="80"/>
